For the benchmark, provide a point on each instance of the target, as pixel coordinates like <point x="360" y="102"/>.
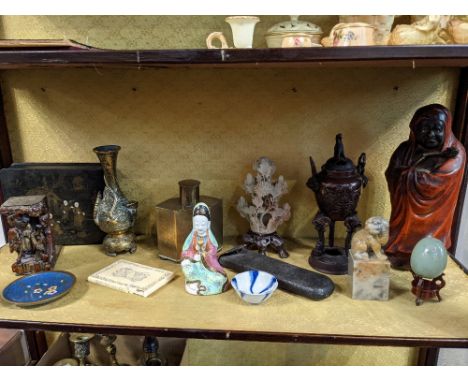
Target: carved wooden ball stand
<point x="262" y="242"/>
<point x="426" y="289"/>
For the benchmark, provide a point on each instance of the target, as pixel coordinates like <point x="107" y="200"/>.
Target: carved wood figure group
<point x="30" y="233"/>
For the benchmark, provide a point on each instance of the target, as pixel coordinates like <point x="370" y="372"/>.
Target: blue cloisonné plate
<point x="39" y="288"/>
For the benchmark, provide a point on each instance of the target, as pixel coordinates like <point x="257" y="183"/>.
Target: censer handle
<point x="312" y="167"/>
<point x="360" y="168"/>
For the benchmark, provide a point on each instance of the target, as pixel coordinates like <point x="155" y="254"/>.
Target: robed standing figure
<point x="204" y="275"/>
<point x="424" y="179"/>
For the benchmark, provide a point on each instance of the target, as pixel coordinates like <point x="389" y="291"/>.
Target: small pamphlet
<point x="130" y="277"/>
<point x="2" y="235"/>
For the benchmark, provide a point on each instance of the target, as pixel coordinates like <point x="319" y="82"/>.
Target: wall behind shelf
<point x="138" y="32"/>
<point x="211" y="124"/>
<point x="143" y="32"/>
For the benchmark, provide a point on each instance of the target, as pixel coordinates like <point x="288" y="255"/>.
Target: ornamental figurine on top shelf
<point x="337" y="189"/>
<point x="265" y="215"/>
<point x="424" y="177"/>
<point x="458" y="29"/>
<point x="113" y="212"/>
<point x="368" y="267"/>
<point x="428" y="262"/>
<point x="425" y="31"/>
<point x="30" y="233"/>
<point x="203" y="274"/>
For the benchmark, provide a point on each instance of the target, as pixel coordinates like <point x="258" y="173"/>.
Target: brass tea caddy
<point x="174" y="219"/>
<point x="337" y="189"/>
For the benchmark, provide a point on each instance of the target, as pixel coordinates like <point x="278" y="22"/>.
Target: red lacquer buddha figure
<point x="424" y="179"/>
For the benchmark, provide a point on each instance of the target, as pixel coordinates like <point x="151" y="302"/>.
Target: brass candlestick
<point x="81" y="346"/>
<point x="108" y="342"/>
<point x="151" y="356"/>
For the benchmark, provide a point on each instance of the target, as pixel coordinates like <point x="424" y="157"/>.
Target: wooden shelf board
<point x="170" y="311"/>
<point x="376" y="56"/>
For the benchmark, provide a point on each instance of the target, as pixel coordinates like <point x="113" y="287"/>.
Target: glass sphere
<point x="429" y="258"/>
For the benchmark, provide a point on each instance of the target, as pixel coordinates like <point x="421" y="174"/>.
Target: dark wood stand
<point x="262" y="242"/>
<point x="425" y="289"/>
<point x="332" y="259"/>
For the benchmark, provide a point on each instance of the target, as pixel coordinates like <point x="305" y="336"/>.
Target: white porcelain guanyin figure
<point x="204" y="276"/>
<point x="426" y="31"/>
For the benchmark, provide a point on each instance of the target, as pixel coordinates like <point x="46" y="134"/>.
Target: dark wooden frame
<point x="239" y="335"/>
<point x="460" y="129"/>
<point x="412" y="56"/>
<point x="37" y="345"/>
<point x="5" y="148"/>
<point x="428" y="356"/>
<point x="380" y="56"/>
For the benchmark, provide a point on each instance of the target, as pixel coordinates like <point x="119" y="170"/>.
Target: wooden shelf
<point x="285" y="317"/>
<point x="374" y="56"/>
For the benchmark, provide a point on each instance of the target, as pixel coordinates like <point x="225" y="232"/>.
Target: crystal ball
<point x="429" y="258"/>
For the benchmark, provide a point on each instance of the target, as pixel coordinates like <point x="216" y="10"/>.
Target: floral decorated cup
<point x="350" y="34"/>
<point x="298" y="40"/>
<point x="254" y="287"/>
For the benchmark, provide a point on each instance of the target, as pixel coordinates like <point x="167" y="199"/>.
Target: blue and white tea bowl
<point x="254" y="287"/>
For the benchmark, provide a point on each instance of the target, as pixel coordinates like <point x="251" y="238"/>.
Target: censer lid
<point x="339" y="162"/>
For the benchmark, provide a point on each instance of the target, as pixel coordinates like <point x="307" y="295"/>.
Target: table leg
<point x="37" y="344"/>
<point x="428" y="356"/>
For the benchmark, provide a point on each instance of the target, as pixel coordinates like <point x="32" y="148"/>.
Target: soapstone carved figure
<point x="203" y="274"/>
<point x="369" y="240"/>
<point x="264" y="214"/>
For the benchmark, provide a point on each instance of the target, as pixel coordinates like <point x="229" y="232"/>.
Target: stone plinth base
<point x="369" y="279"/>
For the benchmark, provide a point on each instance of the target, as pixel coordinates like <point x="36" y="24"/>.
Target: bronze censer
<point x="113" y="212"/>
<point x="337" y="189"/>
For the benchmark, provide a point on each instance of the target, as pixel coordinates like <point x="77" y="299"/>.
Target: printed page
<point x="2" y="235"/>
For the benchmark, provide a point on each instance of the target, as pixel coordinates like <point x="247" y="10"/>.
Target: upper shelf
<point x="373" y="56"/>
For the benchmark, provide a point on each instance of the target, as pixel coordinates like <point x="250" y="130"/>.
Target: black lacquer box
<point x="71" y="190"/>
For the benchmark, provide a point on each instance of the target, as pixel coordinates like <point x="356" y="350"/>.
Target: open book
<point x="130" y="277"/>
